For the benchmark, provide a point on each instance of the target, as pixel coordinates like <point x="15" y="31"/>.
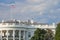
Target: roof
<point x="24" y="22"/>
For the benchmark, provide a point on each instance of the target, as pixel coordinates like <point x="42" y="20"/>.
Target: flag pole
<point x="12" y="7"/>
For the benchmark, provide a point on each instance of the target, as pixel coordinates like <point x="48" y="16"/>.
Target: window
<point x="10" y="32"/>
<point x="22" y="34"/>
<point x="3" y="39"/>
<point x="4" y="33"/>
<point x="16" y="39"/>
<point x="29" y="34"/>
<point x="10" y="39"/>
<point x="21" y="39"/>
<point x="16" y="33"/>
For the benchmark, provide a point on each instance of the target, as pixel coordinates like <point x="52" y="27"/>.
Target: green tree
<point x="57" y="35"/>
<point x="41" y="34"/>
<point x="49" y="35"/>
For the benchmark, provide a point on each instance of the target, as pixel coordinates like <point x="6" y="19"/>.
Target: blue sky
<point x="43" y="11"/>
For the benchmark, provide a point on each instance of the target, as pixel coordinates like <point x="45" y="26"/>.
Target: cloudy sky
<point x="43" y="11"/>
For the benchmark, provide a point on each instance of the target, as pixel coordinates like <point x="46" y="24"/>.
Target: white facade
<point x="17" y="30"/>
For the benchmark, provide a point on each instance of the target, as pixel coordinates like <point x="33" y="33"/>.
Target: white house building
<point x="21" y="30"/>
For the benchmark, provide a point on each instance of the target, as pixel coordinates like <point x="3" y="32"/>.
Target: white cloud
<point x="44" y="20"/>
<point x="35" y="1"/>
<point x="52" y="17"/>
<point x="21" y="8"/>
<point x="34" y="9"/>
<point x="30" y="8"/>
<point x="3" y="4"/>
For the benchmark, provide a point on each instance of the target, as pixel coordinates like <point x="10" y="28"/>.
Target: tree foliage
<point x="41" y="34"/>
<point x="57" y="35"/>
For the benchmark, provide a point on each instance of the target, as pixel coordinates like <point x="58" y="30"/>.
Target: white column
<point x="19" y="34"/>
<point x="13" y="34"/>
<point x="24" y="34"/>
<point x="7" y="34"/>
<point x="1" y="34"/>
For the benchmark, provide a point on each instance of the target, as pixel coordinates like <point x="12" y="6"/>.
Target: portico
<point x="12" y="34"/>
<point x="18" y="30"/>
